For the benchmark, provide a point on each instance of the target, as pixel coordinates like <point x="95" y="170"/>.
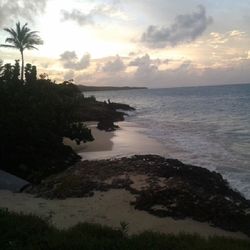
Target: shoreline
<point x="112" y="206"/>
<point x="164" y="188"/>
<point x="102" y="142"/>
<point x="127" y="140"/>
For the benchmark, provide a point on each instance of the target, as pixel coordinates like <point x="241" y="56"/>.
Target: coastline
<point x="127" y="140"/>
<point x="113" y="206"/>
<point x="102" y="142"/>
<point x="194" y="131"/>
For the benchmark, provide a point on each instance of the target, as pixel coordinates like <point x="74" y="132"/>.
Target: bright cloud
<point x="114" y="66"/>
<point x="98" y="11"/>
<point x="70" y="60"/>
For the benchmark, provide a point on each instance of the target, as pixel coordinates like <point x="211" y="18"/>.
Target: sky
<point x="152" y="43"/>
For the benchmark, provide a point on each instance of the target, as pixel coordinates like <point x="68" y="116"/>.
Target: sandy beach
<point x="107" y="208"/>
<point x="125" y="141"/>
<point x="103" y="141"/>
<point x="111" y="207"/>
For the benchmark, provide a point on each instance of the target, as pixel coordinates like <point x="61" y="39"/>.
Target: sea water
<point x="204" y="126"/>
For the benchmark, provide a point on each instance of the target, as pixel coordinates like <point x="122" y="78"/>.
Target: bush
<point x="26" y="232"/>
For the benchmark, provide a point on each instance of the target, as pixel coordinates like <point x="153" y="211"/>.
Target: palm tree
<point x="22" y="38"/>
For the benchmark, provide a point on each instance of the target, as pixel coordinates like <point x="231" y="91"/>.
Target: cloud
<point x="218" y="39"/>
<point x="146" y="67"/>
<point x="77" y="16"/>
<point x="146" y="64"/>
<point x="144" y="61"/>
<point x="116" y="65"/>
<point x="10" y="11"/>
<point x="101" y="10"/>
<point x="106" y="10"/>
<point x="185" y="73"/>
<point x="139" y="61"/>
<point x="186" y="28"/>
<point x="70" y="60"/>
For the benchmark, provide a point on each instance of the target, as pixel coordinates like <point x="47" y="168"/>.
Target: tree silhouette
<point x="30" y="73"/>
<point x="10" y="72"/>
<point x="22" y="38"/>
<point x="7" y="73"/>
<point x="16" y="71"/>
<point x="34" y="119"/>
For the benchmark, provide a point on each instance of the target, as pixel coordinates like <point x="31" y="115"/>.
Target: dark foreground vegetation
<point x="27" y="232"/>
<point x="35" y="116"/>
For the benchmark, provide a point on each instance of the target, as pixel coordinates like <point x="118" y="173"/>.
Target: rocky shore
<point x="162" y="187"/>
<point x="106" y="113"/>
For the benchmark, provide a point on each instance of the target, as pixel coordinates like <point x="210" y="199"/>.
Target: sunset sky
<point x="153" y="43"/>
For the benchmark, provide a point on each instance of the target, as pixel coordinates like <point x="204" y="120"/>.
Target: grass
<point x="28" y="232"/>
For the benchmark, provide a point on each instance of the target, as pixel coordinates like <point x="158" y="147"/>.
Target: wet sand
<point x="103" y="141"/>
<point x="125" y="141"/>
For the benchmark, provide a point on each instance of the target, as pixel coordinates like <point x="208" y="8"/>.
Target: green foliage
<point x="26" y="232"/>
<point x="34" y="118"/>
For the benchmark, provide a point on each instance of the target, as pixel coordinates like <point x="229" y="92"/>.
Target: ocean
<point x="203" y="126"/>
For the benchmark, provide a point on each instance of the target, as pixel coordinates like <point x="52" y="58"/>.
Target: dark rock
<point x="102" y="111"/>
<point x="107" y="125"/>
<point x="121" y="106"/>
<point x="173" y="189"/>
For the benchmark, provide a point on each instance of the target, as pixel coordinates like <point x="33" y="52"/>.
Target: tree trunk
<point x="22" y="67"/>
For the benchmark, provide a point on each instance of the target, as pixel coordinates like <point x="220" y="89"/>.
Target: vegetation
<point x="35" y="115"/>
<point x="22" y="38"/>
<point x="21" y="232"/>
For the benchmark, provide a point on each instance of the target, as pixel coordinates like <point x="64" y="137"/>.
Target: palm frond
<point x="22" y="38"/>
<point x="11" y="32"/>
<point x="30" y="37"/>
<point x="28" y="46"/>
<point x="10" y="40"/>
<point x="7" y="46"/>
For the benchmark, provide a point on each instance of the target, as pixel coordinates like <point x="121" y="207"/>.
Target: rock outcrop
<point x="163" y="187"/>
<point x="106" y="113"/>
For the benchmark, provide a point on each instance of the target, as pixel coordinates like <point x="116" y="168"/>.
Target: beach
<point x="106" y="208"/>
<point x="113" y="206"/>
<point x="127" y="140"/>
